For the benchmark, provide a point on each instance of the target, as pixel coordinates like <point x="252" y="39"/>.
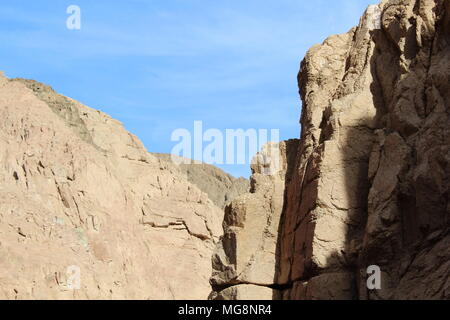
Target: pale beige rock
<point x="247" y="253"/>
<point x="76" y="189"/>
<point x="369" y="183"/>
<point x="245" y="292"/>
<point x="220" y="187"/>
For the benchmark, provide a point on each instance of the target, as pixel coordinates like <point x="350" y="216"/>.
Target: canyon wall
<point x="366" y="184"/>
<point x="244" y="261"/>
<point x="369" y="181"/>
<point x="81" y="196"/>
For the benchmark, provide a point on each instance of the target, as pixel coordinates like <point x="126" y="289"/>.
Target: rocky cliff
<point x="368" y="182"/>
<point x="80" y="196"/>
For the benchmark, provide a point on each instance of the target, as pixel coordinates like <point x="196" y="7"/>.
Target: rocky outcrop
<point x="246" y="258"/>
<point x="371" y="174"/>
<point x="79" y="195"/>
<point x="220" y="187"/>
<point x="366" y="185"/>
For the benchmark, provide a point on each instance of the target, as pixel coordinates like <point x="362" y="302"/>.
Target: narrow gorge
<point x="366" y="184"/>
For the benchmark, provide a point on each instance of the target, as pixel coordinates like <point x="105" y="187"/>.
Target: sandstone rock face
<point x="371" y="174"/>
<point x="80" y="195"/>
<point x="367" y="184"/>
<point x="246" y="258"/>
<point x="220" y="187"/>
<point x="372" y="182"/>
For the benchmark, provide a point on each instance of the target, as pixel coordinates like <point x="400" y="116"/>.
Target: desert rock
<point x="221" y="187"/>
<point x="371" y="173"/>
<point x="78" y="193"/>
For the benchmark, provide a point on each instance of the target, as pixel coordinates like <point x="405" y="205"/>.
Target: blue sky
<point x="159" y="65"/>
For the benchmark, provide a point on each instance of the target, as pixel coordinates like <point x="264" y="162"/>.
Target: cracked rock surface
<point x="246" y="256"/>
<point x="371" y="173"/>
<point x="77" y="189"/>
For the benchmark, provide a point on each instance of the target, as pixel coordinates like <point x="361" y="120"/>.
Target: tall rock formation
<point x="367" y="184"/>
<point x="245" y="259"/>
<point x="80" y="196"/>
<point x="371" y="174"/>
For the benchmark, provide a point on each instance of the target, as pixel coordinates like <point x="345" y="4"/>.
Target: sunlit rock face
<point x="87" y="213"/>
<point x="221" y="188"/>
<point x="246" y="257"/>
<point x="369" y="178"/>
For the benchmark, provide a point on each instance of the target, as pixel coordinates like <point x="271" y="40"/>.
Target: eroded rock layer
<point x="246" y="257"/>
<point x="79" y="195"/>
<point x="371" y="174"/>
